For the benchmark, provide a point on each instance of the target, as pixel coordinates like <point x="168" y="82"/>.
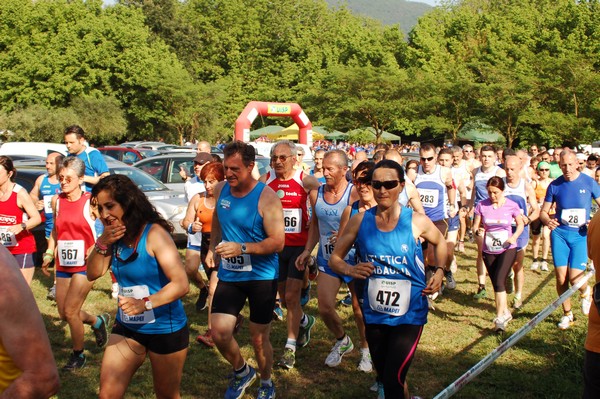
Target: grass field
<point x="546" y="363"/>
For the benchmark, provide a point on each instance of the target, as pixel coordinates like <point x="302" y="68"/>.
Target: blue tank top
<point x="321" y="179"/>
<point x="481" y="179"/>
<point x="241" y="222"/>
<point x="518" y="195"/>
<point x="329" y="216"/>
<point x="47" y="191"/>
<point x="573" y="200"/>
<point x="392" y="294"/>
<point x="432" y="191"/>
<point x="141" y="278"/>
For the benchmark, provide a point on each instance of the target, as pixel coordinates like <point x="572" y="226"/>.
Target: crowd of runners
<point x="384" y="226"/>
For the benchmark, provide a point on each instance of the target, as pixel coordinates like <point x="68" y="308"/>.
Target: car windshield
<point x="144" y="181"/>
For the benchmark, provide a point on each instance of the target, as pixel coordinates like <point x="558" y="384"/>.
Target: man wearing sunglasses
<point x="328" y="203"/>
<point x="481" y="175"/>
<point x="292" y="187"/>
<point x="437" y="193"/>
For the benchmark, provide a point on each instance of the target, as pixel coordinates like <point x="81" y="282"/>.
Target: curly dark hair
<point x="137" y="210"/>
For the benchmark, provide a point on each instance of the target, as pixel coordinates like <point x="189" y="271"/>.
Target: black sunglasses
<point x="361" y="181"/>
<point x="388" y="184"/>
<point x="134" y="255"/>
<point x="282" y="158"/>
<point x="428" y="159"/>
<point x="544" y="170"/>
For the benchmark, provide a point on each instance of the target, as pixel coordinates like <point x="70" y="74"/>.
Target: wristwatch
<point x="24" y="226"/>
<point x="147" y="303"/>
<point x="243" y="248"/>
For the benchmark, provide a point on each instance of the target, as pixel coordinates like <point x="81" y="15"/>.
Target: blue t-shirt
<point x="573" y="200"/>
<point x="47" y="191"/>
<point x="94" y="164"/>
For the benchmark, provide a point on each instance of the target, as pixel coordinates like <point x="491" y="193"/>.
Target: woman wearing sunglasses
<point x="493" y="221"/>
<point x="540" y="232"/>
<point x="150" y="321"/>
<point x="391" y="260"/>
<point x="71" y="242"/>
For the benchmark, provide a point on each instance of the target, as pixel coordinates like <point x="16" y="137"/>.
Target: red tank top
<point x="295" y="209"/>
<point x="205" y="215"/>
<point x="75" y="233"/>
<point x="10" y="215"/>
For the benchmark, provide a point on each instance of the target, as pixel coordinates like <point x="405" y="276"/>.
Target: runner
<point x="328" y="203"/>
<point x="247" y="233"/>
<point x="591" y="363"/>
<point x="493" y="219"/>
<point x="387" y="239"/>
<point x="18" y="216"/>
<point x="409" y="196"/>
<point x="71" y="241"/>
<point x="95" y="166"/>
<point x="572" y="194"/>
<point x="518" y="190"/>
<point x="150" y="321"/>
<point x="292" y="187"/>
<point x="317" y="171"/>
<point x="481" y="175"/>
<point x="461" y="172"/>
<point x="540" y="232"/>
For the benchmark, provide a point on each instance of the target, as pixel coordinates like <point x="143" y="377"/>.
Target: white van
<point x="29" y="148"/>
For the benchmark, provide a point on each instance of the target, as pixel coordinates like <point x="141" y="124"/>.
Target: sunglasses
<point x="134" y="255"/>
<point x="361" y="181"/>
<point x="467" y="151"/>
<point x="428" y="159"/>
<point x="544" y="170"/>
<point x="281" y="158"/>
<point x="388" y="184"/>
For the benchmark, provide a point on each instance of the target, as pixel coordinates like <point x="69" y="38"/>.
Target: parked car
<point x="31" y="148"/>
<point x="166" y="167"/>
<point x="127" y="155"/>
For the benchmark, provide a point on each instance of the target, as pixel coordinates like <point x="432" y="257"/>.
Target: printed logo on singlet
<point x="8" y="219"/>
<point x="225" y="204"/>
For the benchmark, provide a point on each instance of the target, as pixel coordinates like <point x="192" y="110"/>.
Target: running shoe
<point x="566" y="321"/>
<point x="239" y="322"/>
<point x="101" y="332"/>
<point x="237" y="385"/>
<point x="461" y="247"/>
<point x="305" y="295"/>
<point x="313" y="270"/>
<point x="338" y="351"/>
<point x="288" y="359"/>
<point x="206" y="339"/>
<point x="544" y="266"/>
<point x="365" y="364"/>
<point x="277" y="313"/>
<point x="510" y="282"/>
<point x="304" y="332"/>
<point x="114" y="290"/>
<point x="453" y="266"/>
<point x="52" y="293"/>
<point x="481" y="294"/>
<point x="450" y="281"/>
<point x="75" y="362"/>
<point x="266" y="392"/>
<point x="534" y="265"/>
<point x="201" y="303"/>
<point x="586" y="301"/>
<point x="347" y="301"/>
<point x="500" y="323"/>
<point x="517" y="303"/>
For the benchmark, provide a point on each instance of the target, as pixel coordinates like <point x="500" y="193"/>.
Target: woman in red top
<point x="71" y="241"/>
<point x="199" y="219"/>
<point x="15" y="203"/>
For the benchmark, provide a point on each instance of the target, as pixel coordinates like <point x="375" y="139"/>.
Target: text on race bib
<point x="240" y="263"/>
<point x="71" y="253"/>
<point x="390" y="297"/>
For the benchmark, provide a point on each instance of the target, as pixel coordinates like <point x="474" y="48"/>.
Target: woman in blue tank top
<point x="391" y="260"/>
<point x="138" y="246"/>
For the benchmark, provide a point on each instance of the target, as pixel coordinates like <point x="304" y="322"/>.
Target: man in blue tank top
<point x="572" y="193"/>
<point x="247" y="233"/>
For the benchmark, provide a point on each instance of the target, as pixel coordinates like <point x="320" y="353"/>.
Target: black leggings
<point x="392" y="350"/>
<point x="498" y="267"/>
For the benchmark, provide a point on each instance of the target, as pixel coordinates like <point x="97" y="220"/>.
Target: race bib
<point x="195" y="239"/>
<point x="137" y="292"/>
<point x="429" y="197"/>
<point x="48" y="203"/>
<point x="494" y="240"/>
<point x="326" y="247"/>
<point x="292" y="219"/>
<point x="574" y="217"/>
<point x="240" y="263"/>
<point x="7" y="238"/>
<point x="71" y="253"/>
<point x="391" y="297"/>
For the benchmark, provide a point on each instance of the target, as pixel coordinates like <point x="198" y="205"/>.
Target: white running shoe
<point x="566" y="321"/>
<point x="338" y="351"/>
<point x="115" y="290"/>
<point x="500" y="323"/>
<point x="365" y="363"/>
<point x="535" y="265"/>
<point x="586" y="301"/>
<point x="544" y="266"/>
